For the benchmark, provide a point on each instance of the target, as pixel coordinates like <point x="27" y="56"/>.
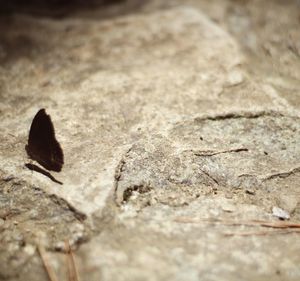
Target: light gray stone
<point x="164" y="128"/>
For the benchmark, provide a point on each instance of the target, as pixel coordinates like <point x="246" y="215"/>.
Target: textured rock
<point x="168" y="140"/>
<point x="98" y="115"/>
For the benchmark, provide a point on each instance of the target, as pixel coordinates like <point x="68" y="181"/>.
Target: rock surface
<point x="174" y="146"/>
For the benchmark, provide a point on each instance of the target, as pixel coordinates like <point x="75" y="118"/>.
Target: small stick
<point x="72" y="269"/>
<point x="262" y="233"/>
<point x="249" y="223"/>
<point x="49" y="270"/>
<point x="74" y="265"/>
<point x="212" y="153"/>
<point x="281" y="224"/>
<point x="70" y="277"/>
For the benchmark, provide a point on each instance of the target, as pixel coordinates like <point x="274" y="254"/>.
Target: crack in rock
<point x="243" y="114"/>
<point x="118" y="173"/>
<point x="282" y="174"/>
<point x="212" y="153"/>
<point x="208" y="175"/>
<point x="36" y="213"/>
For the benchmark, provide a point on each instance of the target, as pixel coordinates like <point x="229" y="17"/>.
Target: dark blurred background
<point x="55" y="8"/>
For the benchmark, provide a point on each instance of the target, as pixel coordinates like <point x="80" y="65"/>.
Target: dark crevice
<point x="282" y="174"/>
<point x="212" y="153"/>
<point x="53" y="8"/>
<point x="243" y="114"/>
<point x="208" y="175"/>
<point x="67" y="206"/>
<point x="140" y="188"/>
<point x="119" y="170"/>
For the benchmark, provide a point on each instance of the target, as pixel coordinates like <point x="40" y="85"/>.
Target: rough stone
<point x="165" y="127"/>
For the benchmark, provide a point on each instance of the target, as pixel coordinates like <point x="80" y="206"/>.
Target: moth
<point x="42" y="145"/>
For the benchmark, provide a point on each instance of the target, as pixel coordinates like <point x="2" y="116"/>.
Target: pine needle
<point x="49" y="270"/>
<point x="72" y="269"/>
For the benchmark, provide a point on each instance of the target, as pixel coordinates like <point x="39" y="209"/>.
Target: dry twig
<point x="285" y="227"/>
<point x="49" y="270"/>
<point x="262" y="233"/>
<point x="274" y="224"/>
<point x="72" y="269"/>
<point x="212" y="153"/>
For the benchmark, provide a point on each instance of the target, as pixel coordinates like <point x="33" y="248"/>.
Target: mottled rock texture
<point x="179" y="122"/>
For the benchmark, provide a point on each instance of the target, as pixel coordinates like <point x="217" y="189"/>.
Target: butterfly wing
<point x="42" y="145"/>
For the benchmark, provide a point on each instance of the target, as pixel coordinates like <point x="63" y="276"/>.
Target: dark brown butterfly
<point x="42" y="145"/>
